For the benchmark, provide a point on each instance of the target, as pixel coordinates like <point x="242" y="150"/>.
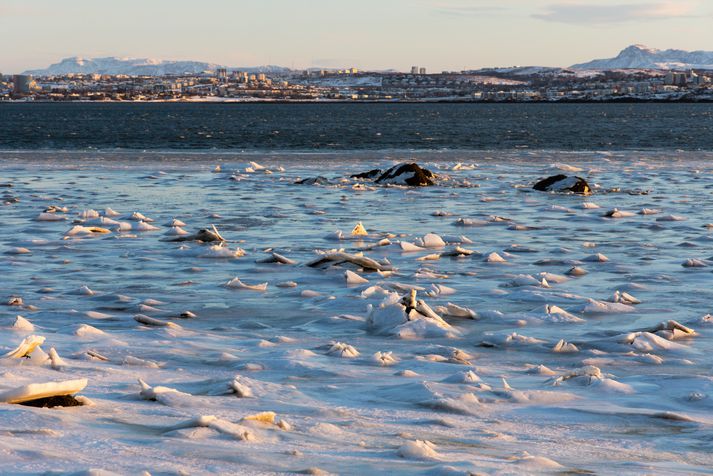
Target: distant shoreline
<point x="455" y="101"/>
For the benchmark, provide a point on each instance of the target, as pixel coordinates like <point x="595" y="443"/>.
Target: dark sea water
<point x="334" y="127"/>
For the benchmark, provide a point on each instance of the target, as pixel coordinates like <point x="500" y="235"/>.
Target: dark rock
<point x="203" y="235"/>
<point x="313" y="181"/>
<point x="55" y="401"/>
<point x="562" y="183"/>
<point x="407" y="174"/>
<point x="368" y="175"/>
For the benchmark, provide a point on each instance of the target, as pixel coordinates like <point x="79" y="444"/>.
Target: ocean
<point x="347" y="127"/>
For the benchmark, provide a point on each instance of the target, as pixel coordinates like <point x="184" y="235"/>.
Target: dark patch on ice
<point x="54" y="401"/>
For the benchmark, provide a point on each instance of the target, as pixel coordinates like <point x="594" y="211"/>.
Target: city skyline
<point x="436" y="34"/>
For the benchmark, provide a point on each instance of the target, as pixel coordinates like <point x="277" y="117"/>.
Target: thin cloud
<point x="467" y="10"/>
<point x="7" y="11"/>
<point x="622" y="13"/>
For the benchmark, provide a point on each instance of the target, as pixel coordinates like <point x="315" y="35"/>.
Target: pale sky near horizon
<point x="369" y="34"/>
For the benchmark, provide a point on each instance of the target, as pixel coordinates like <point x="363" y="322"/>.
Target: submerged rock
<point x="203" y="235"/>
<point x="319" y="180"/>
<point x="562" y="183"/>
<point x="407" y="174"/>
<point x="340" y="257"/>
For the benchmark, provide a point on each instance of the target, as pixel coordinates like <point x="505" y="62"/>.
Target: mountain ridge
<point x="632" y="57"/>
<point x="643" y="57"/>
<point x="136" y="67"/>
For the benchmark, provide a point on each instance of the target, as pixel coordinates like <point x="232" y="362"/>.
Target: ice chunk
<point x="235" y="283"/>
<point x="26" y="347"/>
<point x="35" y="391"/>
<point x="564" y="347"/>
<point x="340" y="349"/>
<point x="431" y="240"/>
<point x="354" y="279"/>
<point x="495" y="258"/>
<point x="385" y="359"/>
<point x="359" y="230"/>
<point x="419" y="450"/>
<point x="409" y="247"/>
<point x="22" y="324"/>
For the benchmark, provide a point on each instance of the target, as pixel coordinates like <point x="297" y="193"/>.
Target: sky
<point x="368" y="34"/>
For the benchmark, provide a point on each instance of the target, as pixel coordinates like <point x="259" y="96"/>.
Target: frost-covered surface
<point x="516" y="365"/>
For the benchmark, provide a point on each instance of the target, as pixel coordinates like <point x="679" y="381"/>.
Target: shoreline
<point x="424" y="101"/>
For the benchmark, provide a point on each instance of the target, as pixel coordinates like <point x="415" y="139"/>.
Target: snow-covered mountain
<point x="642" y="57"/>
<point x="135" y="67"/>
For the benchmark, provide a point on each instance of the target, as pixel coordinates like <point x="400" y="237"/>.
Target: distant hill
<point x="641" y="57"/>
<point x="520" y="71"/>
<point x="136" y="67"/>
<point x="632" y="57"/>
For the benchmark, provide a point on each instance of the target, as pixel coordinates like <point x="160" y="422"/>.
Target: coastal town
<point x="514" y="84"/>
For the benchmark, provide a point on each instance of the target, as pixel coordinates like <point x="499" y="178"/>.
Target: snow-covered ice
<point x="557" y="336"/>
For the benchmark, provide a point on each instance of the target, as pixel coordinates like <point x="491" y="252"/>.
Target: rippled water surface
<point x="328" y="127"/>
